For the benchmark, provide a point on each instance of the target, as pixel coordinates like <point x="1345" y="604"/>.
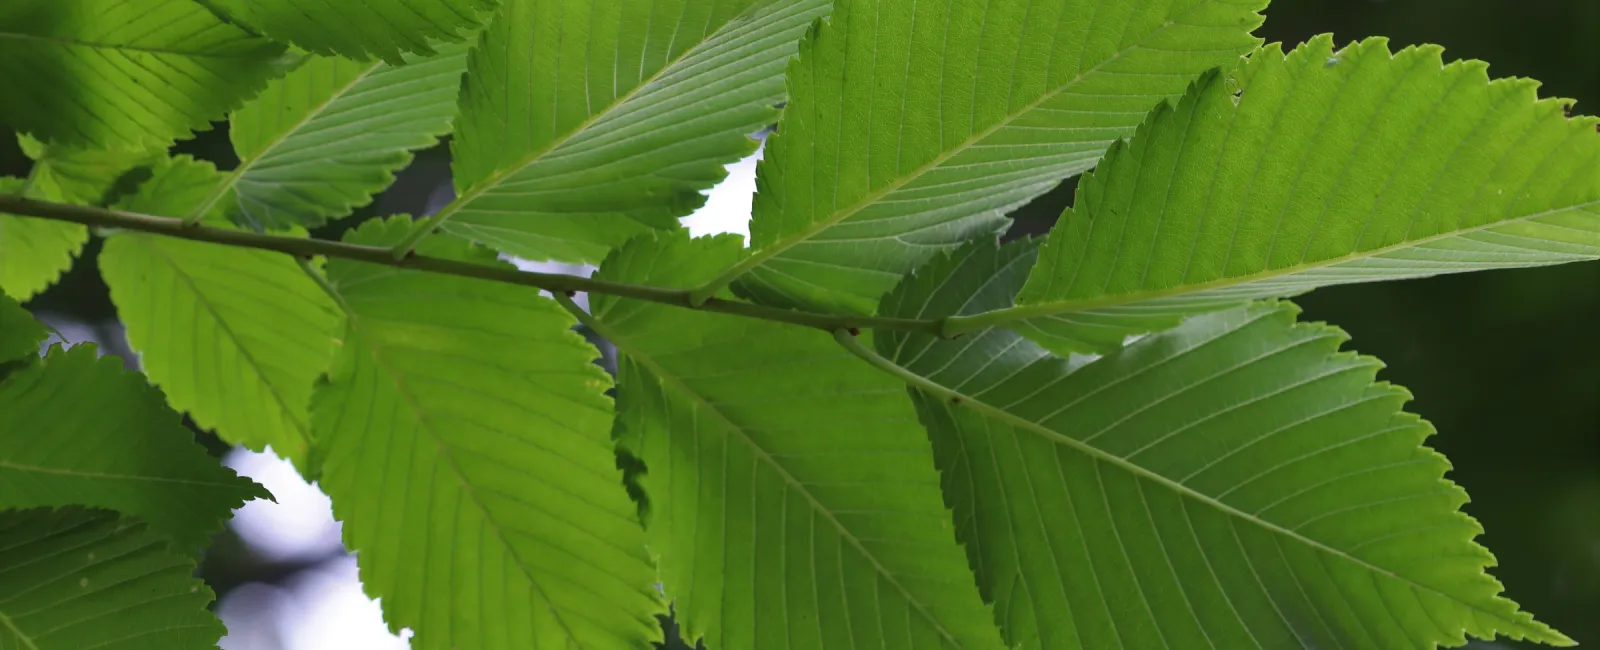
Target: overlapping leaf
<point x="1233" y="483"/>
<point x="35" y="252"/>
<point x="585" y="122"/>
<point x="330" y="135"/>
<point x="234" y="337"/>
<point x="125" y="74"/>
<point x="465" y="440"/>
<point x="915" y="124"/>
<point x="76" y="175"/>
<point x="1331" y="167"/>
<point x="80" y="430"/>
<point x="793" y="499"/>
<point x="75" y="578"/>
<point x="360" y="30"/>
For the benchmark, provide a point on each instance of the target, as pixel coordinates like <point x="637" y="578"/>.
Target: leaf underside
<point x="465" y="440"/>
<point x="793" y="501"/>
<point x="361" y="30"/>
<point x="76" y="578"/>
<point x="125" y="452"/>
<point x="1235" y="482"/>
<point x="631" y="110"/>
<point x="913" y="125"/>
<point x="35" y="252"/>
<point x="131" y="75"/>
<point x="1325" y="167"/>
<point x="331" y="134"/>
<point x="234" y="337"/>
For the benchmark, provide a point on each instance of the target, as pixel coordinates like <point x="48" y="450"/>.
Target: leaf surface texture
<point x="1331" y="167"/>
<point x="35" y="252"/>
<point x="76" y="578"/>
<point x="125" y="74"/>
<point x="913" y="125"/>
<point x="361" y="30"/>
<point x="1236" y="482"/>
<point x="126" y="451"/>
<point x="632" y="108"/>
<point x="793" y="500"/>
<point x="235" y="337"/>
<point x="465" y="439"/>
<point x="327" y="137"/>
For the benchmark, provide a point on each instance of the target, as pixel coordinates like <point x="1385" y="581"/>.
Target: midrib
<point x="493" y="180"/>
<point x="178" y="271"/>
<point x="1048" y="308"/>
<point x="245" y="165"/>
<point x="1096" y="453"/>
<point x="67" y="42"/>
<point x="27" y="641"/>
<point x="470" y="495"/>
<point x="595" y="323"/>
<point x="768" y="252"/>
<point x="55" y="471"/>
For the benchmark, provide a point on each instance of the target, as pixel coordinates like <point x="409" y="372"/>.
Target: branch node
<point x="854" y="331"/>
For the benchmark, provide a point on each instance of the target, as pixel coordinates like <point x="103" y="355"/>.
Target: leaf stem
<point x="421" y="230"/>
<point x="954" y="326"/>
<point x="557" y="283"/>
<point x="326" y="286"/>
<point x="853" y="344"/>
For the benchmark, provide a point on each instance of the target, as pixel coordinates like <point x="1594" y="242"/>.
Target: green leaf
<point x="1330" y="168"/>
<point x="35" y="252"/>
<point x="331" y="134"/>
<point x="236" y="337"/>
<point x="360" y="30"/>
<point x="914" y="125"/>
<point x="80" y="176"/>
<point x="75" y="578"/>
<point x="792" y="494"/>
<point x="20" y="334"/>
<point x="466" y="443"/>
<point x="81" y="430"/>
<point x="1236" y="482"/>
<point x="125" y="74"/>
<point x="585" y="122"/>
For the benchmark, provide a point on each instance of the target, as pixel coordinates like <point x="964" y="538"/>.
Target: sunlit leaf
<point x="1236" y="482"/>
<point x="35" y="252"/>
<point x="585" y="122"/>
<point x="465" y="438"/>
<point x="1318" y="167"/>
<point x="915" y="124"/>
<point x="792" y="494"/>
<point x="328" y="136"/>
<point x="234" y="337"/>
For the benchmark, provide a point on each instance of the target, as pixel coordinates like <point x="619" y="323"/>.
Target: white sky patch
<point x="299" y="525"/>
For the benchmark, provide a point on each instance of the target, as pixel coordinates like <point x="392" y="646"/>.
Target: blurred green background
<point x="1506" y="364"/>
